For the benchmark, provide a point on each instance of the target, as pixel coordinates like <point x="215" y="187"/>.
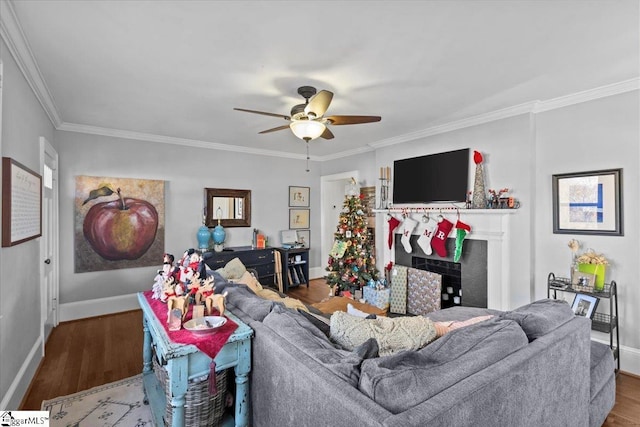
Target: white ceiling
<point x="174" y="70"/>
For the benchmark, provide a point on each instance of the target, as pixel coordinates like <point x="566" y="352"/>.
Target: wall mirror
<point x="232" y="207"/>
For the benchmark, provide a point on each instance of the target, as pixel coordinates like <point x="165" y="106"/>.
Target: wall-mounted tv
<point x="441" y="177"/>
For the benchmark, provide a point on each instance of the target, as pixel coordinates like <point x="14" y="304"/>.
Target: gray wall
<point x="187" y="171"/>
<point x="600" y="134"/>
<point x="23" y="123"/>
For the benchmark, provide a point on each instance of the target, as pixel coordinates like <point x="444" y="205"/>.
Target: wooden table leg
<point x="242" y="384"/>
<point x="178" y="383"/>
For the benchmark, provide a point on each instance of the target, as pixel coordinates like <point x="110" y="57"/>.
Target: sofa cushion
<point x="403" y="380"/>
<point x="392" y="334"/>
<point x="541" y="317"/>
<point x="602" y="367"/>
<point x="318" y="320"/>
<point x="299" y="332"/>
<point x="242" y="298"/>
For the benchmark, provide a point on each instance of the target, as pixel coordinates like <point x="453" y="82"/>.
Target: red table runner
<point x="209" y="344"/>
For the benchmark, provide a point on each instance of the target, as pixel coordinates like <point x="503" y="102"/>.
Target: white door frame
<point x="49" y="246"/>
<point x="327" y="202"/>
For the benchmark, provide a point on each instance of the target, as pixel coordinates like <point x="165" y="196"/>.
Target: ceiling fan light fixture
<point x="307" y="129"/>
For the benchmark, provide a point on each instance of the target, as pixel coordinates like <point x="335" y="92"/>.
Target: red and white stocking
<point x="407" y="228"/>
<point x="439" y="240"/>
<point x="424" y="241"/>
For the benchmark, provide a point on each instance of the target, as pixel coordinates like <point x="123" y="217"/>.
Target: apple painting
<point x="121" y="229"/>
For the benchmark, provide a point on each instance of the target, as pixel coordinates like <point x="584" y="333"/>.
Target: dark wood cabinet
<point x="261" y="260"/>
<point x="295" y="267"/>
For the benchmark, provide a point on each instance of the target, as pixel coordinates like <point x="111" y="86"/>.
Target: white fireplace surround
<point x="491" y="225"/>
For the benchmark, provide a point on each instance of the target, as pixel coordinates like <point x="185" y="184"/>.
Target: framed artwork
<point x="298" y="218"/>
<point x="588" y="203"/>
<point x="584" y="305"/>
<point x="21" y="203"/>
<point x="118" y="223"/>
<point x="583" y="279"/>
<point x="303" y="237"/>
<point x="299" y="196"/>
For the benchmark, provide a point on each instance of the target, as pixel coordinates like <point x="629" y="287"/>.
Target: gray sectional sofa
<point x="534" y="366"/>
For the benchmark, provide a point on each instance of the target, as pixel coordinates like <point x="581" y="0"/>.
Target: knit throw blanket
<point x="392" y="334"/>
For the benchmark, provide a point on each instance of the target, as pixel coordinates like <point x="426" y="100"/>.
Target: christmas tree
<point x="352" y="262"/>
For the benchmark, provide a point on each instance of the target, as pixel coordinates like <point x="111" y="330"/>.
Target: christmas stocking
<point x="424" y="241"/>
<point x="407" y="228"/>
<point x="462" y="230"/>
<point x="439" y="240"/>
<point x="393" y="223"/>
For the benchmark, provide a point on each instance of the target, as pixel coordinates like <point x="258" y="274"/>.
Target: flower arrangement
<point x="574" y="245"/>
<point x="591" y="257"/>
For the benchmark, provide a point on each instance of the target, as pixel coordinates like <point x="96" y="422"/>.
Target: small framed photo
<point x="299" y="196"/>
<point x="298" y="218"/>
<point x="583" y="279"/>
<point x="584" y="305"/>
<point x="303" y="238"/>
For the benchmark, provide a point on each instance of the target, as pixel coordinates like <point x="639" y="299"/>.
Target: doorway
<point x="332" y="188"/>
<point x="49" y="263"/>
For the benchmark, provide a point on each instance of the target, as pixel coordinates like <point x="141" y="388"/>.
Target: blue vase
<point x="203" y="237"/>
<point x="218" y="234"/>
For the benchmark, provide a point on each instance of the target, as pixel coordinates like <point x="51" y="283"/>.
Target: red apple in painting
<point x="122" y="229"/>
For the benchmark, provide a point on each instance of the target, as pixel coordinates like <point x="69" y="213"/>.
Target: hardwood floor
<point x="95" y="351"/>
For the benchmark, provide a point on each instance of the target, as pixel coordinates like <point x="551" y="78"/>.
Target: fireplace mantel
<point x="492" y="225"/>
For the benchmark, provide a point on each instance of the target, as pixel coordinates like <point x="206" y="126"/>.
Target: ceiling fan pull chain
<point x="307" y="156"/>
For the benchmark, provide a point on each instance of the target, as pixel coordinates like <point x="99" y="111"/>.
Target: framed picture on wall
<point x="299" y="196"/>
<point x="298" y="218"/>
<point x="588" y="203"/>
<point x="21" y="203"/>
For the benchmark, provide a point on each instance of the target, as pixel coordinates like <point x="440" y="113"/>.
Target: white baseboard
<point x="97" y="307"/>
<point x="317" y="272"/>
<point x="20" y="384"/>
<point x="629" y="358"/>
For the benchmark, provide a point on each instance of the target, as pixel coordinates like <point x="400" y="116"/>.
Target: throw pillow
<point x="251" y="282"/>
<point x="392" y="334"/>
<point x="235" y="269"/>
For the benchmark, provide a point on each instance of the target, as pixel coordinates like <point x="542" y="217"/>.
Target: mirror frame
<point x="212" y="221"/>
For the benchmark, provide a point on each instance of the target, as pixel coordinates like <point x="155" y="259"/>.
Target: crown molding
<point x="140" y="136"/>
<point x="459" y="124"/>
<point x="589" y="95"/>
<point x="13" y="36"/>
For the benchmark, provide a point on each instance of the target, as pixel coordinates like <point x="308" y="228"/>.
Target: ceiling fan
<point x="307" y="121"/>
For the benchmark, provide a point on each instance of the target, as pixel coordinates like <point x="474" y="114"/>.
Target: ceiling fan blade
<point x="352" y="120"/>
<point x="327" y="134"/>
<point x="275" y="129"/>
<point x="264" y="113"/>
<point x="318" y="104"/>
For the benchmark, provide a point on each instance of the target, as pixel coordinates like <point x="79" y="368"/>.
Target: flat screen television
<point x="441" y="177"/>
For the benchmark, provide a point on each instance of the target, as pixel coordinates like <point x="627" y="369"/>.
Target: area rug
<point x="115" y="404"/>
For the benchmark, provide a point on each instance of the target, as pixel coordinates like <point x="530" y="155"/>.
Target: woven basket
<point x="201" y="407"/>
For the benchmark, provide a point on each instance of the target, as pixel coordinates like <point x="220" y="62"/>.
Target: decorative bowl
<point x="205" y="325"/>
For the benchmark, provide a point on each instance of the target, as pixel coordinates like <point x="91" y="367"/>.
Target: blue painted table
<point x="185" y="362"/>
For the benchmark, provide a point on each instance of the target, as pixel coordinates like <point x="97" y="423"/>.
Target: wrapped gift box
<point x="379" y="298"/>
